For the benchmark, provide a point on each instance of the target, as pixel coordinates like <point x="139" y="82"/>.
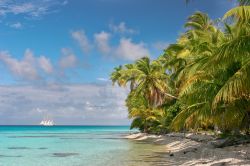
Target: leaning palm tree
<point x="224" y="78"/>
<point x="234" y="56"/>
<point x="200" y="40"/>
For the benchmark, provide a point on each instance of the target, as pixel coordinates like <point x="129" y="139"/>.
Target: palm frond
<point x="240" y="13"/>
<point x="238" y="86"/>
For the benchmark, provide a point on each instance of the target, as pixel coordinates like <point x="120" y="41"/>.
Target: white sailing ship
<point x="47" y="122"/>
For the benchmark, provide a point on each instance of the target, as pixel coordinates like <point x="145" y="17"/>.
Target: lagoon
<point x="74" y="146"/>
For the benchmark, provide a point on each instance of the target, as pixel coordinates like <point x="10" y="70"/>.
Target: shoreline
<point x="196" y="149"/>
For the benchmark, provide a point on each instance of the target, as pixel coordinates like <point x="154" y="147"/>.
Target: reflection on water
<point x="85" y="146"/>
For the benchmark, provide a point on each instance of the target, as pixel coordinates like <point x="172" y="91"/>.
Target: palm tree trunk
<point x="248" y="123"/>
<point x="145" y="127"/>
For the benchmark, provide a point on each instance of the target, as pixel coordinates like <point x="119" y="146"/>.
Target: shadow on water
<point x="1" y="156"/>
<point x="18" y="148"/>
<point x="64" y="154"/>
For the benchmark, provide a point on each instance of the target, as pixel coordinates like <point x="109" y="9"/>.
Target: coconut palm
<point x="224" y="78"/>
<point x="150" y="88"/>
<point x="152" y="81"/>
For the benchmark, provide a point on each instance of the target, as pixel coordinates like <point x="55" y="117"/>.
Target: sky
<point x="56" y="55"/>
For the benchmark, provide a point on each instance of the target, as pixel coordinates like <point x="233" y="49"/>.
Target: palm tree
<point x="224" y="78"/>
<point x="150" y="88"/>
<point x="152" y="81"/>
<point x="234" y="56"/>
<point x="147" y="78"/>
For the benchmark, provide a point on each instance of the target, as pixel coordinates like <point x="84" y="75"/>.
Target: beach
<point x="195" y="149"/>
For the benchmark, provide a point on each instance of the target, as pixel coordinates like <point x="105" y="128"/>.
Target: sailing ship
<point x="47" y="122"/>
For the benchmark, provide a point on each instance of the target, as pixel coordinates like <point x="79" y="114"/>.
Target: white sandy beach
<point x="196" y="149"/>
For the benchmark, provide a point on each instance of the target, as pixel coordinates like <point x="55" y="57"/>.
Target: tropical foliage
<point x="200" y="82"/>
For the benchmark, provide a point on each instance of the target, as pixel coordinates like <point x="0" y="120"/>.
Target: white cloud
<point x="102" y="41"/>
<point x="16" y="25"/>
<point x="126" y="49"/>
<point x="70" y="104"/>
<point x="122" y="28"/>
<point x="82" y="40"/>
<point x="29" y="68"/>
<point x="28" y="8"/>
<point x="24" y="8"/>
<point x="103" y="79"/>
<point x="131" y="51"/>
<point x="68" y="59"/>
<point x="45" y="64"/>
<point x="24" y="68"/>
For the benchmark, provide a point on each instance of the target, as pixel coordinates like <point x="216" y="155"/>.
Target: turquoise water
<point x="73" y="146"/>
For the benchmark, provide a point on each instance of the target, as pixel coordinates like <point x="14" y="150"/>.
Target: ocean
<point x="74" y="146"/>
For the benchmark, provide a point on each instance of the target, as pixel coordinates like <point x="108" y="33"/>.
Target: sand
<point x="195" y="149"/>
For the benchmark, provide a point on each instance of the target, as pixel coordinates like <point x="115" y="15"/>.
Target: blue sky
<point x="75" y="44"/>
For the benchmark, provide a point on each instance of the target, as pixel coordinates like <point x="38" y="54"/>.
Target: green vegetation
<point x="201" y="82"/>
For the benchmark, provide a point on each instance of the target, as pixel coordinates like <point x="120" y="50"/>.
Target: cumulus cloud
<point x="129" y="50"/>
<point x="121" y="28"/>
<point x="27" y="68"/>
<point x="66" y="104"/>
<point x="68" y="59"/>
<point x="45" y="64"/>
<point x="102" y="41"/>
<point x="80" y="37"/>
<point x="24" y="68"/>
<point x="126" y="48"/>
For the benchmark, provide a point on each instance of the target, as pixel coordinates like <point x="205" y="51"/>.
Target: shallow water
<point x="74" y="146"/>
